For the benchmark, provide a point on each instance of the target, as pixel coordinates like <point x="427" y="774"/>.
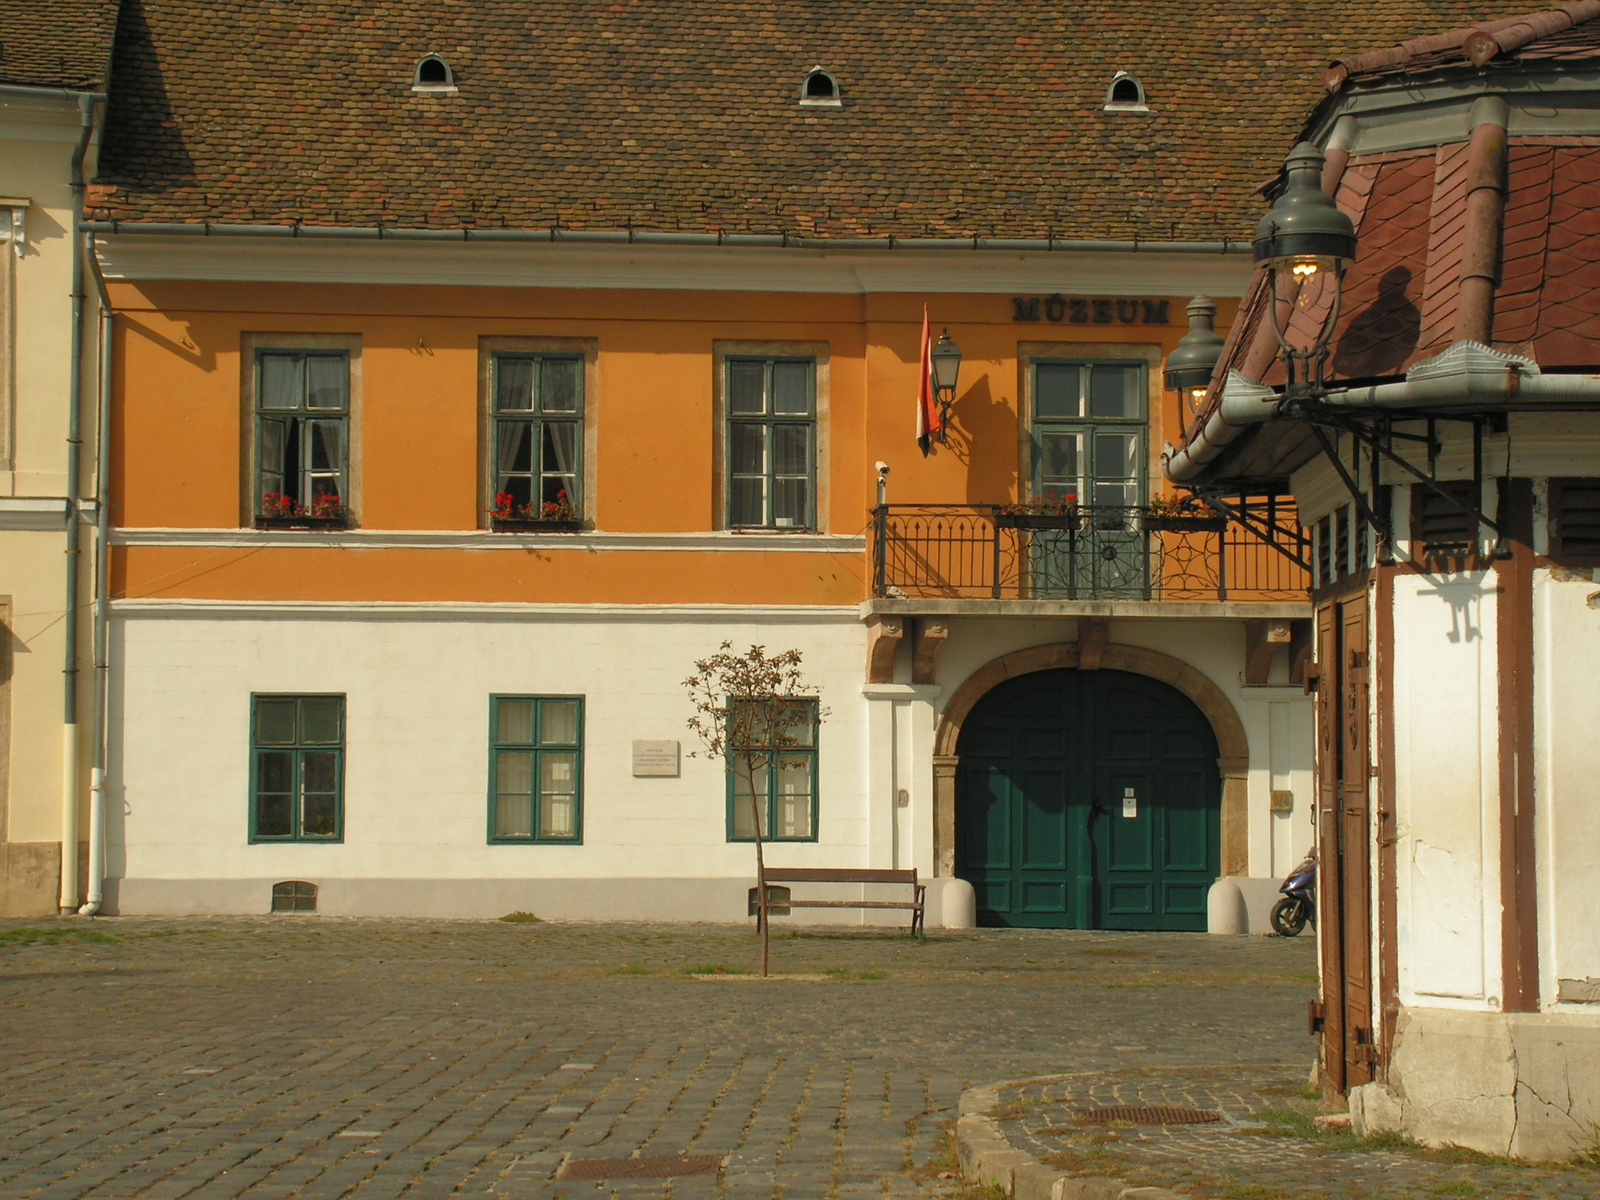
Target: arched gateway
<point x="1108" y="798"/>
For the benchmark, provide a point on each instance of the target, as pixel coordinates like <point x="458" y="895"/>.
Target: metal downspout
<point x="69" y="740"/>
<point x="102" y="601"/>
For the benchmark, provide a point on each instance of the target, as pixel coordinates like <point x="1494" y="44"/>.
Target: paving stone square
<point x="302" y="1058"/>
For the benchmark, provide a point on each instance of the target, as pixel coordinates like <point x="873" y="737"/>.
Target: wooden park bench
<point x="779" y="905"/>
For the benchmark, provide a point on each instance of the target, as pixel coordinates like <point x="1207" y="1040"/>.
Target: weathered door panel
<point x="1330" y="923"/>
<point x="1360" y="1048"/>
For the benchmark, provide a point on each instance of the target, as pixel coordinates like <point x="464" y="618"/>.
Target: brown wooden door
<point x="1355" y="870"/>
<point x="1343" y="841"/>
<point x="1330" y="926"/>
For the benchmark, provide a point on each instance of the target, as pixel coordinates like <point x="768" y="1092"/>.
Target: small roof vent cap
<point x="433" y="74"/>
<point x="1126" y="94"/>
<point x="820" y="90"/>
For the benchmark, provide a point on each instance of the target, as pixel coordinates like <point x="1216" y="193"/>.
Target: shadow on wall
<point x="1381" y="338"/>
<point x="983" y="434"/>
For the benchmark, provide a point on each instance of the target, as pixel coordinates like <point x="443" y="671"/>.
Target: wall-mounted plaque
<point x="655" y="759"/>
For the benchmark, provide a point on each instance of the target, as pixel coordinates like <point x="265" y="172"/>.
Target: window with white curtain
<point x="537" y="437"/>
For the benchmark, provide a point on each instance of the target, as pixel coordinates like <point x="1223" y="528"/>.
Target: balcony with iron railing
<point x="1014" y="552"/>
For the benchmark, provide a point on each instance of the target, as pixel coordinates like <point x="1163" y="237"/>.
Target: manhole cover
<point x="664" y="1166"/>
<point x="1155" y="1115"/>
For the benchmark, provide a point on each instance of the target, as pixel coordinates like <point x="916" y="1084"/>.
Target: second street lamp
<point x="945" y="366"/>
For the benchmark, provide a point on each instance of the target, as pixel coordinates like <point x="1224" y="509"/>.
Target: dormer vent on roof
<point x="820" y="90"/>
<point x="1126" y="94"/>
<point x="433" y="74"/>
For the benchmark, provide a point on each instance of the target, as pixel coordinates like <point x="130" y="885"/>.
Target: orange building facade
<point x="415" y="541"/>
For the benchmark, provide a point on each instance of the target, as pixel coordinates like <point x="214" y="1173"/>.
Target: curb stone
<point x="987" y="1158"/>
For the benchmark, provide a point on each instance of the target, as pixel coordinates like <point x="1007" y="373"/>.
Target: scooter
<point x="1299" y="904"/>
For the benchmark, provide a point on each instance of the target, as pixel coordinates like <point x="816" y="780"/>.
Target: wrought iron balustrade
<point x="997" y="551"/>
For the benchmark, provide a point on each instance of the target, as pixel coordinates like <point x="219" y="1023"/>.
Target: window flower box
<point x="285" y="512"/>
<point x="1171" y="523"/>
<point x="1059" y="522"/>
<point x="342" y="521"/>
<point x="534" y="524"/>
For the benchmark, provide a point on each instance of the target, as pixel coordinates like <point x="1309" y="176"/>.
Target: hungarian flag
<point x="929" y="423"/>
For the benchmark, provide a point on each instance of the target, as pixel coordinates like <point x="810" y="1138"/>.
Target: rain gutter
<point x="1466" y="376"/>
<point x="648" y="238"/>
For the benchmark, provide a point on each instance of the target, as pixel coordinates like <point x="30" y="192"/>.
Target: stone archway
<point x="1233" y="747"/>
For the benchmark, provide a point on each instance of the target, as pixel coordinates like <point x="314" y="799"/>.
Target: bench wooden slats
<point x="906" y="878"/>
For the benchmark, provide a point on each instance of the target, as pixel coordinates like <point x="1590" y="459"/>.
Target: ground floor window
<point x="783" y="779"/>
<point x="536" y="769"/>
<point x="296" y="768"/>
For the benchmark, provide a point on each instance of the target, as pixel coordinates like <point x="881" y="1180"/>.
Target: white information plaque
<point x="655" y="759"/>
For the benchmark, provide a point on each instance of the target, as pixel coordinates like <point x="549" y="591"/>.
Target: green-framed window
<point x="536" y="769"/>
<point x="302" y="433"/>
<point x="296" y="768"/>
<point x="771" y="450"/>
<point x="1089" y="431"/>
<point x="538" y="436"/>
<point x="784" y="779"/>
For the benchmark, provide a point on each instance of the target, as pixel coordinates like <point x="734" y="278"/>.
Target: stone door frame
<point x="1233" y="747"/>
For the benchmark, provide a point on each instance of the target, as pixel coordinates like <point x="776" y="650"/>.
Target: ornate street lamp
<point x="1194" y="358"/>
<point x="1305" y="243"/>
<point x="945" y="363"/>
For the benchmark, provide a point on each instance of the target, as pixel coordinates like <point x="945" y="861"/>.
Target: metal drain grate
<point x="662" y="1166"/>
<point x="1154" y="1115"/>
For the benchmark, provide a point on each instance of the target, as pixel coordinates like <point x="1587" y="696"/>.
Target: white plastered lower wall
<point x="417" y="690"/>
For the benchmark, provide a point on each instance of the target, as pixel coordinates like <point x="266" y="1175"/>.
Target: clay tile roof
<point x="960" y="118"/>
<point x="1475" y="44"/>
<point x="1403" y="296"/>
<point x="56" y="43"/>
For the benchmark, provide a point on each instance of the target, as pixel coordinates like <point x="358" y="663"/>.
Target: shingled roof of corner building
<point x="56" y="43"/>
<point x="1402" y="297"/>
<point x="960" y="118"/>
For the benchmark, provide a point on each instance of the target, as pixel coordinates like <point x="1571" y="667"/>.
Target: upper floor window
<point x="296" y="768"/>
<point x="537" y="439"/>
<point x="771" y="443"/>
<point x="1089" y="431"/>
<point x="302" y="450"/>
<point x="536" y="769"/>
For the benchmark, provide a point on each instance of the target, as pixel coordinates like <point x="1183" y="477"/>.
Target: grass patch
<point x="520" y="918"/>
<point x="715" y="969"/>
<point x="632" y="969"/>
<point x="33" y="935"/>
<point x="1453" y="1187"/>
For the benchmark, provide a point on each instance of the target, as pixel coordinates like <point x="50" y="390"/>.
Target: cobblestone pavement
<point x="317" y="1058"/>
<point x="1253" y="1149"/>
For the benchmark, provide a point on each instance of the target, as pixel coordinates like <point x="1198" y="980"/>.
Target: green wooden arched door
<point x="1088" y="800"/>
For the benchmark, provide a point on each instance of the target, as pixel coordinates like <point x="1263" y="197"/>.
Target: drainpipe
<point x="69" y="739"/>
<point x="1485" y="213"/>
<point x="102" y="602"/>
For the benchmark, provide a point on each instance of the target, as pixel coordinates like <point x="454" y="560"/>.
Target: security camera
<point x="883" y="468"/>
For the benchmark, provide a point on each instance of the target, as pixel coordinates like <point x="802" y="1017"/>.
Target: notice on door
<point x="1130" y="803"/>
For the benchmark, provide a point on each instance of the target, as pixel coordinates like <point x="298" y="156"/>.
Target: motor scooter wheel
<point x="1289" y="916"/>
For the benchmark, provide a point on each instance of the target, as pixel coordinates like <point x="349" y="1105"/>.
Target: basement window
<point x="1575" y="517"/>
<point x="820" y="90"/>
<point x="1126" y="94"/>
<point x="294" y="895"/>
<point x="433" y="75"/>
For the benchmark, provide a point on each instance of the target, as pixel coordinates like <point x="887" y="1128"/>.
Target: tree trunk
<point x="762" y="918"/>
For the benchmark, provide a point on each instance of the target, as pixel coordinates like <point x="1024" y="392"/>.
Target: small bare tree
<point x="748" y="709"/>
